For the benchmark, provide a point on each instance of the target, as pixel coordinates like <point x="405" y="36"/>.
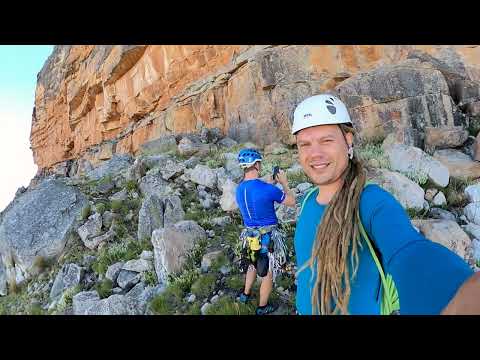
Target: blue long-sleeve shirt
<point x="427" y="274"/>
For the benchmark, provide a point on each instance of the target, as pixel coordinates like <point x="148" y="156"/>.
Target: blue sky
<point x="19" y="66"/>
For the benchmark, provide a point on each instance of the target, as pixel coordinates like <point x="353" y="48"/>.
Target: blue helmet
<point x="248" y="157"/>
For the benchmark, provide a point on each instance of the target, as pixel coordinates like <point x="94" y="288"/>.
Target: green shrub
<point x="220" y="261"/>
<point x="42" y="264"/>
<point x="131" y="186"/>
<point x="85" y="212"/>
<point x="118" y="206"/>
<point x="150" y="278"/>
<point x="66" y="300"/>
<point x="118" y="251"/>
<point x="417" y="214"/>
<point x="455" y="192"/>
<point x="100" y="208"/>
<point x="297" y="177"/>
<point x="285" y="281"/>
<point x="36" y="309"/>
<point x="194" y="309"/>
<point x="228" y="306"/>
<point x="168" y="302"/>
<point x="369" y="151"/>
<point x="419" y="177"/>
<point x="185" y="279"/>
<point x="235" y="282"/>
<point x="161" y="306"/>
<point x="104" y="288"/>
<point x="204" y="286"/>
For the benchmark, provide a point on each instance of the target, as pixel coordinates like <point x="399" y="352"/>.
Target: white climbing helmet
<point x="321" y="109"/>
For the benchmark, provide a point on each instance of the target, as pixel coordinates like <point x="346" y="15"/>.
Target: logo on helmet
<point x="331" y="108"/>
<point x="307" y="115"/>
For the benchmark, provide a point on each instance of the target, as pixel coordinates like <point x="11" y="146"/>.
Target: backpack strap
<point x="390" y="300"/>
<point x="307" y="195"/>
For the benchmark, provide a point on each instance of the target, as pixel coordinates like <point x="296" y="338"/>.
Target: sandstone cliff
<point x="93" y="101"/>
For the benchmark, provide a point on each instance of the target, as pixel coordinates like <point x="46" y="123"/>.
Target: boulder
<point x="228" y="200"/>
<point x="211" y="136"/>
<point x="209" y="258"/>
<point x="171" y="245"/>
<point x="163" y="144"/>
<point x="93" y="243"/>
<point x="221" y="221"/>
<point x="40" y="222"/>
<point x="173" y="211"/>
<point x="187" y="147"/>
<point x="3" y="279"/>
<point x="430" y="194"/>
<point x="91" y="228"/>
<point x="150" y="216"/>
<point x="439" y="199"/>
<point x="139" y="296"/>
<point x="409" y="159"/>
<point x="472" y="212"/>
<point x="472" y="193"/>
<point x="69" y="276"/>
<point x="203" y="175"/>
<point x="89" y="303"/>
<point x="84" y="300"/>
<point x="152" y="183"/>
<point x="447" y="233"/>
<point x="127" y="279"/>
<point x="408" y="193"/>
<point x="146" y="255"/>
<point x="444" y="137"/>
<point x="437" y="213"/>
<point x="139" y="266"/>
<point x="113" y="271"/>
<point x="472" y="229"/>
<point x="227" y="143"/>
<point x="116" y="165"/>
<point x="157" y="212"/>
<point x="459" y="165"/>
<point x="119" y="196"/>
<point x="172" y="169"/>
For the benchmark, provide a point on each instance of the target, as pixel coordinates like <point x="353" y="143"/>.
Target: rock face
<point x="38" y="223"/>
<point x="171" y="244"/>
<point x="402" y="98"/>
<point x="445" y="232"/>
<point x="92" y="102"/>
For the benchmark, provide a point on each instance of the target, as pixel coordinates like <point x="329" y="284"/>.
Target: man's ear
<point x="349" y="138"/>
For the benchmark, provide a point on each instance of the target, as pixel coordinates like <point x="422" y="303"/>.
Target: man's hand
<point x="290" y="199"/>
<point x="467" y="299"/>
<point x="282" y="178"/>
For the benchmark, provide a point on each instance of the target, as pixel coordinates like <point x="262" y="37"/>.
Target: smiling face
<point x="323" y="153"/>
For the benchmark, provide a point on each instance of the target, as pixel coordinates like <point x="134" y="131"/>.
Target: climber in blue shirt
<point x="342" y="269"/>
<point x="263" y="247"/>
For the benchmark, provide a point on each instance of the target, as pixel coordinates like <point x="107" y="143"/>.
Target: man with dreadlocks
<point x="264" y="250"/>
<point x="350" y="234"/>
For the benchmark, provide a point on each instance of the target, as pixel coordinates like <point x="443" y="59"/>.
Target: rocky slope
<point x="158" y="233"/>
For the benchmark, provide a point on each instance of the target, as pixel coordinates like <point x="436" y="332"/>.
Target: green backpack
<point x="390" y="300"/>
